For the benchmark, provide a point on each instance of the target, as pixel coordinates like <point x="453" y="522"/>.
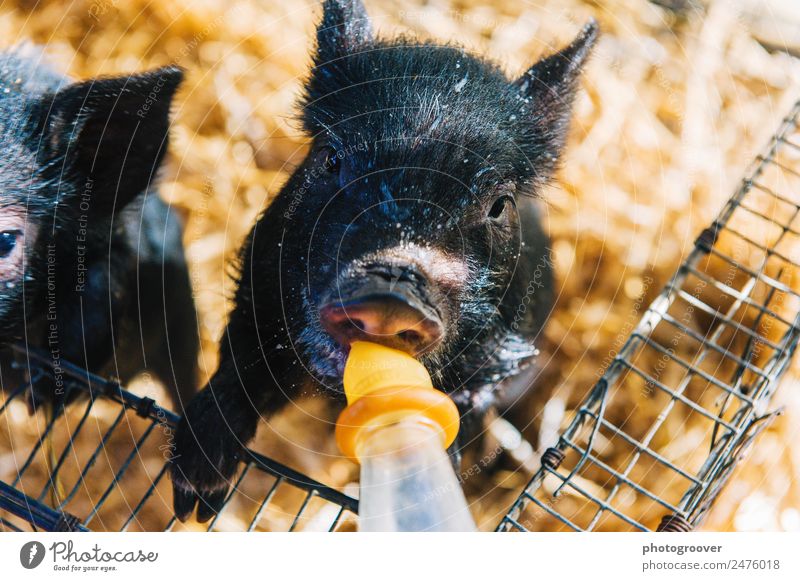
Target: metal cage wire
<point x="711" y="346"/>
<point x="136" y="428"/>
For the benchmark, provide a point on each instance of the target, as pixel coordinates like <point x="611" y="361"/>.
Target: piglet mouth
<point x="383" y="308"/>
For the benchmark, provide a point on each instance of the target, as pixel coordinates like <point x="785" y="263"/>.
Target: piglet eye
<point x="498" y="210"/>
<point x="8" y="241"/>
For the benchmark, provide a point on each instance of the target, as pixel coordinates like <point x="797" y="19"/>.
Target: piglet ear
<point x="549" y="88"/>
<point x="345" y="27"/>
<point x="112" y="131"/>
<point x="554" y="78"/>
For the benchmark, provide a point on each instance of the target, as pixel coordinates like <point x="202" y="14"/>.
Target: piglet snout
<point x="386" y="306"/>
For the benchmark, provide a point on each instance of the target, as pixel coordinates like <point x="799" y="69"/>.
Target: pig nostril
<point x="411" y="337"/>
<point x="384" y="320"/>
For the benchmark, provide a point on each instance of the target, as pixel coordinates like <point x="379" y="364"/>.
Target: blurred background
<point x="677" y="100"/>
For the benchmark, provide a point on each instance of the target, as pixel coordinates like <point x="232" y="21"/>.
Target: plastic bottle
<point x="398" y="427"/>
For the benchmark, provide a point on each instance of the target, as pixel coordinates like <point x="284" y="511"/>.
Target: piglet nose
<point x="387" y="319"/>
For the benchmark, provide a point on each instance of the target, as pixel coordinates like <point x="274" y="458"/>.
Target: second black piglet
<point x="412" y="222"/>
<point x="92" y="269"/>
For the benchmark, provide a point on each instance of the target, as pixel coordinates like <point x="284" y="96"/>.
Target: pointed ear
<point x="549" y="88"/>
<point x="112" y="131"/>
<point x="345" y="27"/>
<point x="555" y="78"/>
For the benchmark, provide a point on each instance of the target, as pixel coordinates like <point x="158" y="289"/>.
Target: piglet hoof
<point x="206" y="459"/>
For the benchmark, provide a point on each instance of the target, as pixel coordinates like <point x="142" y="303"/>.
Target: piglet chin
<point x="327" y="364"/>
<point x="340" y="359"/>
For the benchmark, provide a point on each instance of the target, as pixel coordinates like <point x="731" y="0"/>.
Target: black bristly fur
<point x="99" y="277"/>
<point x="413" y="145"/>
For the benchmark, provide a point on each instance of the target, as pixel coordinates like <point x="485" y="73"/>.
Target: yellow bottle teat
<point x="384" y="385"/>
<point x="371" y="367"/>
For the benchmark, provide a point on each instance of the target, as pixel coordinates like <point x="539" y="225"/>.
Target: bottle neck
<point x="392" y="405"/>
<point x="401" y="440"/>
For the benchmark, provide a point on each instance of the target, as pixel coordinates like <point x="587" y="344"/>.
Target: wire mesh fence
<point x="109" y="442"/>
<point x="709" y="350"/>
